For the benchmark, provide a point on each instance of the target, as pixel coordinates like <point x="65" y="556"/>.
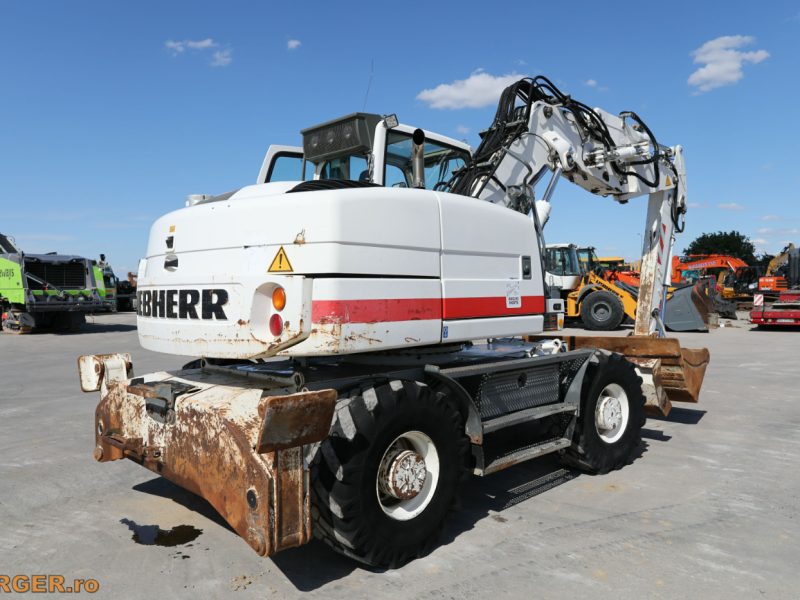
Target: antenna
<point x="369" y="83"/>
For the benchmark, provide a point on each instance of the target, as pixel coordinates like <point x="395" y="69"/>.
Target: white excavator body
<point x="363" y="269"/>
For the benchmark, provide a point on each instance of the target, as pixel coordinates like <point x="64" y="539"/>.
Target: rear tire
<point x="609" y="428"/>
<point x="602" y="311"/>
<point x="375" y="433"/>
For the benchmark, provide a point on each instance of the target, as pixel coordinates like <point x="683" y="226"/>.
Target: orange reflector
<point x="279" y="298"/>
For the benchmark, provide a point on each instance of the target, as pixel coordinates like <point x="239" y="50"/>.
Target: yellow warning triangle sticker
<point x="281" y="264"/>
<point x="669" y="181"/>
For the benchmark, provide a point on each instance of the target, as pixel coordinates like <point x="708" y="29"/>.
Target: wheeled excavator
<point x="345" y="386"/>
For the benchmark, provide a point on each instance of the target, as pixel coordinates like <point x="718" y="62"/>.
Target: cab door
<point x="282" y="163"/>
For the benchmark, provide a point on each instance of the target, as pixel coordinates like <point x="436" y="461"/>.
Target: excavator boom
<point x="537" y="130"/>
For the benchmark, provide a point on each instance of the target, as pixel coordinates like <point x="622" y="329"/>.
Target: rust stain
<point x="294" y="420"/>
<point x="354" y="337"/>
<point x="209" y="449"/>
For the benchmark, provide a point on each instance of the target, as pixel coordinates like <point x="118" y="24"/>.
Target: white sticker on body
<point x="513" y="299"/>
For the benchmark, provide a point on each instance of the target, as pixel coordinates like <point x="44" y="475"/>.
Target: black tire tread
<point x="617" y="311"/>
<point x="336" y="460"/>
<point x="583" y="454"/>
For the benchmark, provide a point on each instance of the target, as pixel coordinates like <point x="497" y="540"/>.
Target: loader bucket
<point x="669" y="372"/>
<point x="688" y="309"/>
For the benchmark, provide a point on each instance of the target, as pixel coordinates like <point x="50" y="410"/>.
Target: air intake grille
<point x="504" y="393"/>
<point x="65" y="276"/>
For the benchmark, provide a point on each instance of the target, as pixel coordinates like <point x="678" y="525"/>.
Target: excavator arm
<point x="539" y="130"/>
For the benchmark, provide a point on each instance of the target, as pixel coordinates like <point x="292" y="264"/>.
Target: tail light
<point x="275" y="325"/>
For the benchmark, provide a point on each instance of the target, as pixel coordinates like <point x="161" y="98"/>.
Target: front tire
<point x="602" y="311"/>
<point x="385" y="478"/>
<point x="609" y="429"/>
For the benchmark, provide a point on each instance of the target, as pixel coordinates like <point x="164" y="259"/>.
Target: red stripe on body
<point x="375" y="311"/>
<point x="419" y="309"/>
<point x="471" y="308"/>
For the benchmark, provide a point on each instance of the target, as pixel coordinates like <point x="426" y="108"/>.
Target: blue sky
<point x="111" y="112"/>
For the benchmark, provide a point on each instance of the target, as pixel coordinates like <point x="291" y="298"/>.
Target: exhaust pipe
<point x="418" y="159"/>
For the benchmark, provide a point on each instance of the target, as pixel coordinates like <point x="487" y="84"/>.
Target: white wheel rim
<point x="422" y="445"/>
<point x="612" y="413"/>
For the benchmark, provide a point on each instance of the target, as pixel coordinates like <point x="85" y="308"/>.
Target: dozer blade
<point x="688" y="309"/>
<point x="669" y="373"/>
<point x="234" y="444"/>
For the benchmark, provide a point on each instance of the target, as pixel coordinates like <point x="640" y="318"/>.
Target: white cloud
<point x="784" y="231"/>
<point x="462" y="129"/>
<point x="222" y="58"/>
<point x="722" y="61"/>
<point x="770" y="218"/>
<point x="476" y="91"/>
<point x="293" y="44"/>
<point x="182" y="46"/>
<point x="760" y="242"/>
<point x="591" y="82"/>
<point x="693" y="205"/>
<point x="730" y="206"/>
<point x="219" y="58"/>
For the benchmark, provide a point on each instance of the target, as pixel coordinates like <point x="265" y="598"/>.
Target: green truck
<point x="46" y="290"/>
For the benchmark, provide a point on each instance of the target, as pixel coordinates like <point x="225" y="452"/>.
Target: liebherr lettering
<point x="183" y="304"/>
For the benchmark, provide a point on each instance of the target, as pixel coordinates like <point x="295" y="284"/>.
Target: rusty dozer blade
<point x="235" y="445"/>
<point x="669" y="372"/>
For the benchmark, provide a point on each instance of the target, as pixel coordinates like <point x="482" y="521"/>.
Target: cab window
<point x="286" y="167"/>
<point x="353" y="167"/>
<point x="562" y="261"/>
<point x="440" y="161"/>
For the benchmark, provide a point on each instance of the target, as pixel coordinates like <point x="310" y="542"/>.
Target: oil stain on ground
<point x="153" y="535"/>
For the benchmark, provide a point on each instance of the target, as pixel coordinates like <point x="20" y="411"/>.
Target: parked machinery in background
<point x="46" y="290"/>
<point x="774" y="279"/>
<point x="689" y="268"/>
<point x="785" y="311"/>
<point x="602" y="297"/>
<point x="126" y="293"/>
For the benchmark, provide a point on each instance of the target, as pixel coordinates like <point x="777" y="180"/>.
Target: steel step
<point x="523" y="454"/>
<point x="528" y="414"/>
